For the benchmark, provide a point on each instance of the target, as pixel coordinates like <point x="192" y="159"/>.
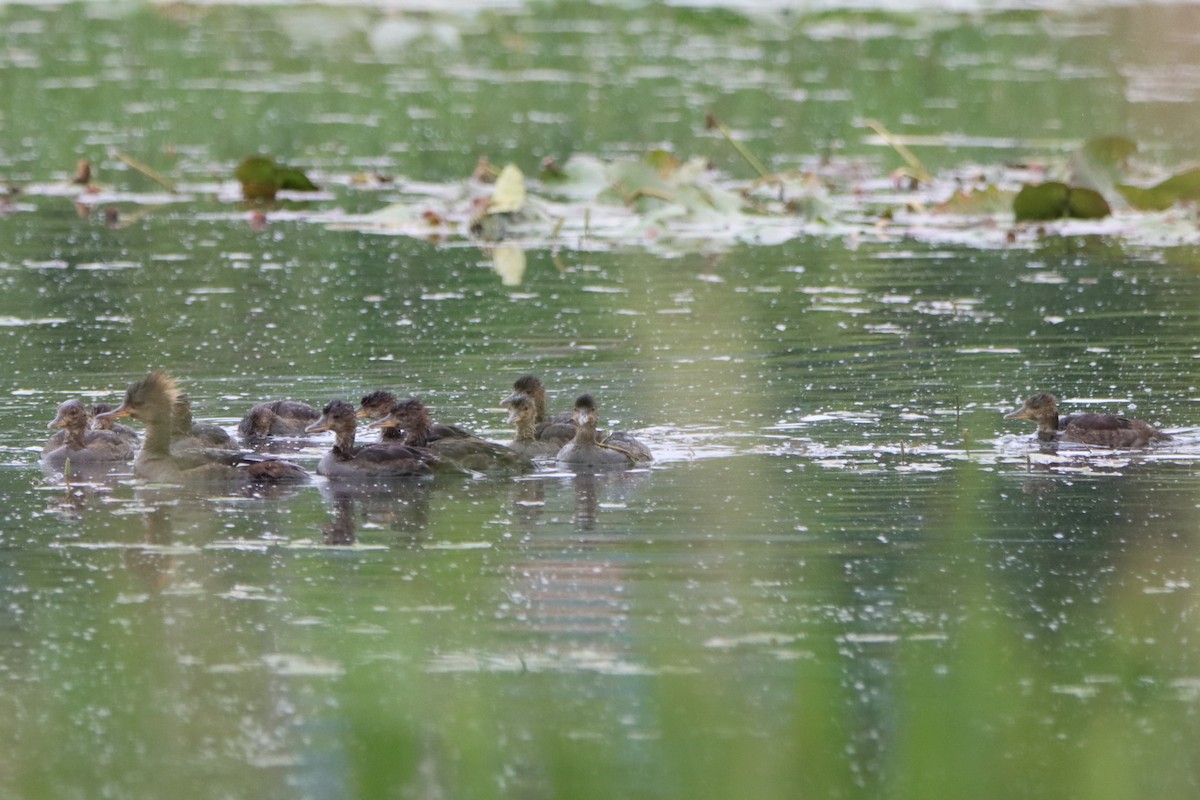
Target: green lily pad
<point x="1185" y="186"/>
<point x="1054" y="200"/>
<point x="262" y="178"/>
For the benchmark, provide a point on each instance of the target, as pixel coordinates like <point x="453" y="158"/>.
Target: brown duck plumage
<point x="1104" y="430"/>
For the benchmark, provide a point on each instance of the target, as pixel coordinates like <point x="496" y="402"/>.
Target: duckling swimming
<point x="278" y="418"/>
<point x="370" y="461"/>
<point x="79" y="444"/>
<point x="108" y="424"/>
<point x="469" y="452"/>
<point x="522" y="412"/>
<point x="1104" y="430"/>
<point x="586" y="450"/>
<point x="378" y="404"/>
<point x="558" y="429"/>
<point x="152" y="402"/>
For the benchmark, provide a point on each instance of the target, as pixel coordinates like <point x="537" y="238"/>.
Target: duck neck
<point x="539" y="403"/>
<point x="1048" y="428"/>
<point x="526" y="430"/>
<point x="343" y="445"/>
<point x="418" y="429"/>
<point x="74" y="434"/>
<point x="157" y="441"/>
<point x="585" y="434"/>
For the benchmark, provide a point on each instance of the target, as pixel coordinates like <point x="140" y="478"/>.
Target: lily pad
<point x="1054" y="200"/>
<point x="261" y="178"/>
<point x="1182" y="187"/>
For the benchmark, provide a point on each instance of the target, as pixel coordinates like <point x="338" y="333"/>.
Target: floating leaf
<point x="262" y="178"/>
<point x="1053" y="200"/>
<point x="509" y="196"/>
<point x="1184" y="186"/>
<point x="1086" y="204"/>
<point x="1041" y="202"/>
<point x="293" y="180"/>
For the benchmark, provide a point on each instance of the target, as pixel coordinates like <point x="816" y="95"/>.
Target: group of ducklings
<point x="173" y="449"/>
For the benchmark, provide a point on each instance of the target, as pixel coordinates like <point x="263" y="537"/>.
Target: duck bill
<point x="1024" y="413"/>
<point x="513" y="414"/>
<point x="362" y="414"/>
<point x="58" y="422"/>
<point x="512" y="398"/>
<point x="116" y="413"/>
<point x="386" y="422"/>
<point x="317" y="427"/>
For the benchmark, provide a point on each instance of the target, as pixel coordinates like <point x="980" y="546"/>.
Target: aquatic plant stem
<point x="149" y="172"/>
<point x="711" y="121"/>
<point x="918" y="169"/>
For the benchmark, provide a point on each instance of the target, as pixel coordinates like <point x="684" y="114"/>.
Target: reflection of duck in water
<point x="278" y="418"/>
<point x="378" y="404"/>
<point x="1106" y="430"/>
<point x="522" y="412"/>
<point x="585" y="450"/>
<point x="558" y="429"/>
<point x="83" y="446"/>
<point x="365" y="462"/>
<point x="152" y="401"/>
<point x="469" y="452"/>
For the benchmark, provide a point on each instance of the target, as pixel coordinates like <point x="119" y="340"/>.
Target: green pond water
<point x="845" y="576"/>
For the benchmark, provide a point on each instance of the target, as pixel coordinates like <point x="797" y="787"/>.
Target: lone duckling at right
<point x="1102" y="430"/>
<point x="586" y="451"/>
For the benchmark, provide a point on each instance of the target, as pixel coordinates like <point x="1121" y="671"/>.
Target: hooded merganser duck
<point x="1105" y="430"/>
<point x="152" y="402"/>
<point x="365" y="462"/>
<point x="83" y="446"/>
<point x="378" y="404"/>
<point x="560" y="428"/>
<point x="468" y="452"/>
<point x="278" y="418"/>
<point x="586" y="450"/>
<point x="522" y="412"/>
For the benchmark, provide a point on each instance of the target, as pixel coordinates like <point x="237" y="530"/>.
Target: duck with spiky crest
<point x="378" y="404"/>
<point x="1103" y="430"/>
<point x="83" y="446"/>
<point x="346" y="460"/>
<point x="469" y="452"/>
<point x="586" y="450"/>
<point x="152" y="401"/>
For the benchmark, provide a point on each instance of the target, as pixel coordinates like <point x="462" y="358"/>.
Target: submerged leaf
<point x="1184" y="186"/>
